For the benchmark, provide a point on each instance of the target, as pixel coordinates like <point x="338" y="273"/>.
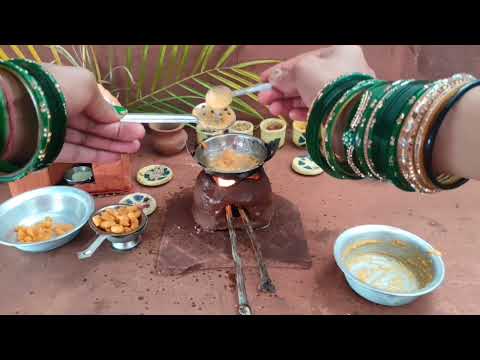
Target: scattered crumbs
<point x="140" y="298"/>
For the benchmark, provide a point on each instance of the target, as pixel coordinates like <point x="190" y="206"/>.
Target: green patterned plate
<point x="145" y="201"/>
<point x="154" y="175"/>
<point x="305" y="166"/>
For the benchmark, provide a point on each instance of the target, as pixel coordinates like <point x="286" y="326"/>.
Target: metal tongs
<point x="266" y="284"/>
<point x="243" y="305"/>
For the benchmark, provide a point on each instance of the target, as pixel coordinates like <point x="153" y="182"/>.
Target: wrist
<point x="457" y="137"/>
<point x="20" y="145"/>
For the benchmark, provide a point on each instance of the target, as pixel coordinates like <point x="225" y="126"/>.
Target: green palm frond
<point x="165" y="78"/>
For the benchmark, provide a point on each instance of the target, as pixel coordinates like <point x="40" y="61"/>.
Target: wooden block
<point x="111" y="178"/>
<point x="46" y="177"/>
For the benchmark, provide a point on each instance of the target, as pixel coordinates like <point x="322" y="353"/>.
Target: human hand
<point x="94" y="132"/>
<point x="296" y="82"/>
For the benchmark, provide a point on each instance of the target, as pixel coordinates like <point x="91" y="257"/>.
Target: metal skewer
<point x="253" y="89"/>
<point x="152" y="118"/>
<point x="266" y="284"/>
<point x="243" y="306"/>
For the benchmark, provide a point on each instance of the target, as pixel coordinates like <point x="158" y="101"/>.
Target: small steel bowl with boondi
<point x="387" y="265"/>
<point x="64" y="204"/>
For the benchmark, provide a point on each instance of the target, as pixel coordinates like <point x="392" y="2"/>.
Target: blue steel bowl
<point x="368" y="254"/>
<point x="64" y="204"/>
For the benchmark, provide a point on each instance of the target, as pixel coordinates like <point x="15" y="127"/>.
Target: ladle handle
<point x="88" y="252"/>
<point x="272" y="148"/>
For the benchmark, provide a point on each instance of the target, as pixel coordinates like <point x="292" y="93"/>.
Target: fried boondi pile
<point x="42" y="231"/>
<point x="231" y="160"/>
<point x="117" y="221"/>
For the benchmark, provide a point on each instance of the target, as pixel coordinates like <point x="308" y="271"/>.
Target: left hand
<point x="94" y="132"/>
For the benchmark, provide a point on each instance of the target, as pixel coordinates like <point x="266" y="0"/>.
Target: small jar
<point x="272" y="129"/>
<point x="241" y="127"/>
<point x="168" y="139"/>
<point x="204" y="134"/>
<point x="298" y="133"/>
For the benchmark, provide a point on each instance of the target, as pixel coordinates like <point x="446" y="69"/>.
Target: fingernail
<point x="277" y="75"/>
<point x="121" y="111"/>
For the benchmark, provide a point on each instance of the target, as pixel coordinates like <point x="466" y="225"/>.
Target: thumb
<point x="101" y="110"/>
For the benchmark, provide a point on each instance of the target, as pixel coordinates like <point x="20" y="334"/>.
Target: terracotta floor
<point x="113" y="283"/>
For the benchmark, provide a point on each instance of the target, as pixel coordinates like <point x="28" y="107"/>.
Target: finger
<point x="280" y="108"/>
<point x="72" y="153"/>
<point x="95" y="142"/>
<point x="298" y="114"/>
<point x="267" y="97"/>
<point x="115" y="131"/>
<point x="283" y="107"/>
<point x="98" y="108"/>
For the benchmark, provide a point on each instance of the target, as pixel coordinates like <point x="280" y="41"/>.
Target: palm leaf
<point x="199" y="62"/>
<point x="129" y="67"/>
<point x="95" y="62"/>
<point x="173" y="89"/>
<point x="247" y="74"/>
<point x="206" y="59"/>
<point x="226" y="55"/>
<point x="3" y="55"/>
<point x="17" y="51"/>
<point x="142" y="70"/>
<point x="186" y="51"/>
<point x="54" y="51"/>
<point x="34" y="53"/>
<point x="60" y="49"/>
<point x="172" y="63"/>
<point x="160" y="66"/>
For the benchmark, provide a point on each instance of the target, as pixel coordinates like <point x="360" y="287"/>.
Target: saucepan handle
<point x="272" y="148"/>
<point x="92" y="247"/>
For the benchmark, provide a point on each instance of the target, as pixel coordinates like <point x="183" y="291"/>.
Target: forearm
<point x="457" y="147"/>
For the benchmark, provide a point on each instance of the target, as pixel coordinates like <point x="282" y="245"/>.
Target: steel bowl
<point x="213" y="147"/>
<point x="124" y="241"/>
<point x="64" y="204"/>
<point x="387" y="265"/>
<point x="69" y="175"/>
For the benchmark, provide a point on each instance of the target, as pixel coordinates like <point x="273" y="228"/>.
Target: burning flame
<point x="224" y="182"/>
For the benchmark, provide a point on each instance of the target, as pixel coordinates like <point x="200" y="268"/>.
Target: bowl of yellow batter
<point x="387" y="265"/>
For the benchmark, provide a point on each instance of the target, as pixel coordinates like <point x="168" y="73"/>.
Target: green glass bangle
<point x="370" y="124"/>
<point x="359" y="157"/>
<point x="393" y="170"/>
<point x="43" y="115"/>
<point x="325" y="100"/>
<point x="343" y="170"/>
<point x="381" y="132"/>
<point x="4" y="118"/>
<point x="56" y="103"/>
<point x="348" y="137"/>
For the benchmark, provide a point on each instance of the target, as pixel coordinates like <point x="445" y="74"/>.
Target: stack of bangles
<point x="360" y="127"/>
<point x="48" y="101"/>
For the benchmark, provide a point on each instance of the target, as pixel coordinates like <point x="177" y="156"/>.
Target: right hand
<point x="296" y="82"/>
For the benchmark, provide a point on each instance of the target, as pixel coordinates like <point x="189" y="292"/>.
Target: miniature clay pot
<point x="272" y="129"/>
<point x="241" y="127"/>
<point x="298" y="133"/>
<point x="204" y="134"/>
<point x="168" y="139"/>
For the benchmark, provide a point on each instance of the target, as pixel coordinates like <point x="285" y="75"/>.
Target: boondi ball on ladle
<point x="219" y="97"/>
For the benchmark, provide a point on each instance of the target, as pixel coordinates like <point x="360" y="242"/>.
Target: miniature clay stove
<point x="211" y="196"/>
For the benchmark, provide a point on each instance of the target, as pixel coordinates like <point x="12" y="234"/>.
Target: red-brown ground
<point x="113" y="283"/>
